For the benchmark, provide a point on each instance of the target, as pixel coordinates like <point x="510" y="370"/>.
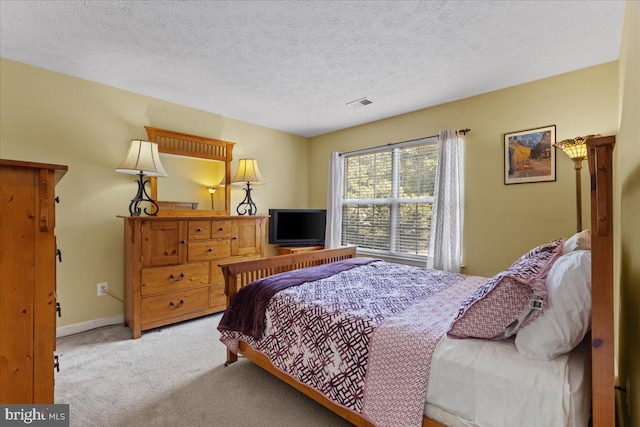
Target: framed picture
<point x="529" y="155"/>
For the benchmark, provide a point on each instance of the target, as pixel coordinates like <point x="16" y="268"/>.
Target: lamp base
<point x="142" y="196"/>
<point x="577" y="162"/>
<point x="247" y="206"/>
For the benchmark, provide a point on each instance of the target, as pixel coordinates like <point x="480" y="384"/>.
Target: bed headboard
<point x="600" y="158"/>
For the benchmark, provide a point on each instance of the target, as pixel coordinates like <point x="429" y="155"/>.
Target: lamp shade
<point x="142" y="158"/>
<point x="248" y="173"/>
<point x="575" y="148"/>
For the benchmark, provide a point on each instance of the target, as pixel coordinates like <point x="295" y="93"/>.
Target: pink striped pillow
<point x="511" y="299"/>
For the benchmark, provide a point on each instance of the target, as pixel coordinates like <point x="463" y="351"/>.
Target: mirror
<point x="193" y="164"/>
<point x="188" y="180"/>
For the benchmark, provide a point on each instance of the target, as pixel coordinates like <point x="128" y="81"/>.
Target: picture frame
<point x="529" y="155"/>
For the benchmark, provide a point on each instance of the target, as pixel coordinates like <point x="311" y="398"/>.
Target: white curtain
<point x="445" y="242"/>
<point x="333" y="234"/>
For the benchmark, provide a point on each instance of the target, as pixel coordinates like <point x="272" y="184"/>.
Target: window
<point x="388" y="196"/>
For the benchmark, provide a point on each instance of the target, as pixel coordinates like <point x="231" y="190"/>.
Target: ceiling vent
<point x="360" y="102"/>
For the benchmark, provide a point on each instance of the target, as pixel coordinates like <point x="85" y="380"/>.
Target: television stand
<point x="290" y="250"/>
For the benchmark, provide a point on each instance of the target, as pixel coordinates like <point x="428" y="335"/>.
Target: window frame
<point x="394" y="201"/>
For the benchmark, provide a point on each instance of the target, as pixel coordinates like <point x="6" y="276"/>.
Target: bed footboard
<point x="239" y="274"/>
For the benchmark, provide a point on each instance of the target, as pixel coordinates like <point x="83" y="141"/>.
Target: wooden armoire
<point x="27" y="280"/>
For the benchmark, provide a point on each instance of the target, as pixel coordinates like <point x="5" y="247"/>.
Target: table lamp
<point x="142" y="160"/>
<point x="249" y="174"/>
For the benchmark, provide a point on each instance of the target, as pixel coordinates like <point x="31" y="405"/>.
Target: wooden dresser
<point x="171" y="265"/>
<point x="28" y="280"/>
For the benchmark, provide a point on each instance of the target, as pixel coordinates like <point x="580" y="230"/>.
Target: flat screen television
<point x="297" y="227"/>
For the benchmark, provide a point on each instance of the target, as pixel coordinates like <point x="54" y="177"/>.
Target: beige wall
<point x="53" y="118"/>
<point x="627" y="211"/>
<point x="501" y="221"/>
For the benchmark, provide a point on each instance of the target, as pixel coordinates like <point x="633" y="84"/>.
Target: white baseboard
<point x="76" y="328"/>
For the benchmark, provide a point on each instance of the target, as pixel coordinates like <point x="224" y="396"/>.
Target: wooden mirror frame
<point x="200" y="147"/>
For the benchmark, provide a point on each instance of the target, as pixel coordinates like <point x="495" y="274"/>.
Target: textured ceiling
<point x="294" y="66"/>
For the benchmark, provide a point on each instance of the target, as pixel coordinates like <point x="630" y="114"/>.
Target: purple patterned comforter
<point x="322" y="332"/>
<point x="247" y="310"/>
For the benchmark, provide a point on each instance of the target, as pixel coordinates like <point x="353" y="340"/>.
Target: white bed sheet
<point x="482" y="383"/>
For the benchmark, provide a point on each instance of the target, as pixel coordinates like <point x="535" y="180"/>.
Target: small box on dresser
<point x="171" y="265"/>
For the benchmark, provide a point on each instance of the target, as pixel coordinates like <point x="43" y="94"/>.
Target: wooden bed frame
<point x="600" y="152"/>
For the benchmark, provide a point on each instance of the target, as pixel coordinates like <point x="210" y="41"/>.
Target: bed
<point x="380" y="356"/>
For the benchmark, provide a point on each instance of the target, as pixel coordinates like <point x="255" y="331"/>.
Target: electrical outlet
<point x="103" y="289"/>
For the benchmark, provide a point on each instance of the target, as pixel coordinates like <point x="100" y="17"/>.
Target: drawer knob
<point x="56" y="363"/>
<point x="234" y="238"/>
<point x="199" y="230"/>
<point x="210" y="250"/>
<point x="183" y="241"/>
<point x="178" y="305"/>
<point x="173" y="277"/>
<point x="57" y="199"/>
<point x="221" y="229"/>
<point x="59" y="255"/>
<point x="59" y="309"/>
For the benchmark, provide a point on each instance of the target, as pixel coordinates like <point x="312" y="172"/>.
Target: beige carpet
<point x="173" y="376"/>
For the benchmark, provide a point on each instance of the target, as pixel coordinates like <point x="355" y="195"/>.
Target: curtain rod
<point x="462" y="131"/>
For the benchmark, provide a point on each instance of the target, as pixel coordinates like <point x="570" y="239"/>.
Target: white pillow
<point x="567" y="315"/>
<point x="579" y="241"/>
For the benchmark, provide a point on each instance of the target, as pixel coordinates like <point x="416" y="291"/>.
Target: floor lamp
<point x="576" y="149"/>
<point x="213" y="189"/>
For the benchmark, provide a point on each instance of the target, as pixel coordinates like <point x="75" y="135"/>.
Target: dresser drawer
<point x="220" y="229"/>
<point x="199" y="230"/>
<point x="208" y="250"/>
<point x="174" y="278"/>
<point x="174" y="304"/>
